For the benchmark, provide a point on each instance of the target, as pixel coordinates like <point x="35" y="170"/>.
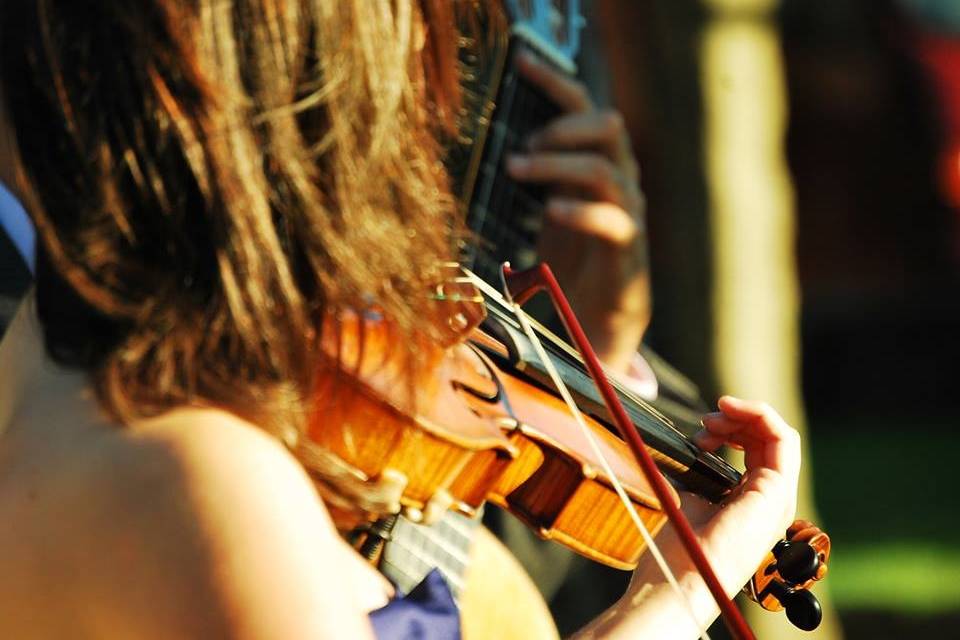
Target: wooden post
<point x="702" y="87"/>
<point x="755" y="289"/>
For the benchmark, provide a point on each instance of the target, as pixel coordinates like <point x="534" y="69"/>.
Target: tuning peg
<point x="783" y="580"/>
<point x="797" y="562"/>
<point x="802" y="607"/>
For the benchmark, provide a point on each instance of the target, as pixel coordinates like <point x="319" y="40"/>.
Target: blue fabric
<point x="14" y="221"/>
<point x="426" y="613"/>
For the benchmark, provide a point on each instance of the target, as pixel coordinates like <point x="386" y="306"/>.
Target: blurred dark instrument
<point x="502" y="108"/>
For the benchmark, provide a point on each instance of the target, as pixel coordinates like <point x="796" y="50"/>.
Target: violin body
<point x="475" y="433"/>
<point x="470" y="429"/>
<point x="555" y="485"/>
<point x="420" y="443"/>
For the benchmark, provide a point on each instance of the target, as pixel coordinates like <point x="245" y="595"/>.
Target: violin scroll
<point x="784" y="579"/>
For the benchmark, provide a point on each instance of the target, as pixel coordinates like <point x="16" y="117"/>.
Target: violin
<point x="482" y="423"/>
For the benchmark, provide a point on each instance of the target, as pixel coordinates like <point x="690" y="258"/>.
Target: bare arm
<point x="595" y="237"/>
<point x="735" y="535"/>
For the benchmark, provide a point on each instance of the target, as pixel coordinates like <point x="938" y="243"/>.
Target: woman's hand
<point x="595" y="236"/>
<point x="736" y="535"/>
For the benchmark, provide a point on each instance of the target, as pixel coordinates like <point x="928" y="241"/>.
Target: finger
<point x="747" y="409"/>
<point x="777" y="450"/>
<point x="590" y="171"/>
<point x="600" y="130"/>
<point x="732" y="433"/>
<point x="722" y="424"/>
<point x="746" y="432"/>
<point x="711" y="442"/>
<point x="601" y="220"/>
<point x="759" y="416"/>
<point x="567" y="93"/>
<point x="782" y="450"/>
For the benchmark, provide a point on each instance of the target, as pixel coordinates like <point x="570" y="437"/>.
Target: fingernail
<point x="713" y="415"/>
<point x="560" y="206"/>
<point x="517" y="164"/>
<point x="528" y="57"/>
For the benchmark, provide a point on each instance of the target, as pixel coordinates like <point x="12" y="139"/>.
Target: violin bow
<point x="520" y="286"/>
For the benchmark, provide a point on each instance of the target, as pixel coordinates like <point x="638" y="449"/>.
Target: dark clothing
<point x="426" y="613"/>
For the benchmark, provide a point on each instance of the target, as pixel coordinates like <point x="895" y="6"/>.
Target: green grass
<point x="886" y="489"/>
<point x="908" y="578"/>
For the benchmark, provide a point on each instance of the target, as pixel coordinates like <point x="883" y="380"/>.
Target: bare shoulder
<point x="211" y="458"/>
<point x="233" y="517"/>
<point x="198" y="524"/>
<point x="206" y="475"/>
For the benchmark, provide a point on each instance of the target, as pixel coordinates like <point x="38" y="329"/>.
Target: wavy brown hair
<point x="209" y="177"/>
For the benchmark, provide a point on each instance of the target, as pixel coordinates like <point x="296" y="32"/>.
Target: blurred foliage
<point x="883" y="484"/>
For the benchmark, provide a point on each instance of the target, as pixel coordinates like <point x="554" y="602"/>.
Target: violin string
<point x="654" y="420"/>
<point x="561" y="349"/>
<point x="618" y="487"/>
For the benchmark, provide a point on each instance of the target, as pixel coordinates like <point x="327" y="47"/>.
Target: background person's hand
<point x="594" y="235"/>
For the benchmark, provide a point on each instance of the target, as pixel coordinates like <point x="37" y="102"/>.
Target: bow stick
<point x="540" y="278"/>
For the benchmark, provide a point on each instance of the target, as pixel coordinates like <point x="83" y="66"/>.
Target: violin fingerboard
<point x="505" y="218"/>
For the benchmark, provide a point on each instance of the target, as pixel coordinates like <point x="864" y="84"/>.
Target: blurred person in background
<point x="934" y="37"/>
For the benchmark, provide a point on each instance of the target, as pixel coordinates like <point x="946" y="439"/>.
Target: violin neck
<point x="703" y="473"/>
